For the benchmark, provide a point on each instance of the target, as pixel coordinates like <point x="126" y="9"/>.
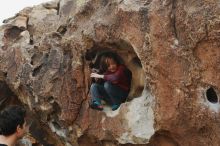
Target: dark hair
<point x="103" y="66"/>
<point x="10" y="118"/>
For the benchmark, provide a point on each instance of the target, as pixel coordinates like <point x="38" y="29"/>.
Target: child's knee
<point x="107" y="86"/>
<point x="93" y="86"/>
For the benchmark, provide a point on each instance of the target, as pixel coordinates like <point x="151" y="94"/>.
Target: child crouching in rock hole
<point x="116" y="83"/>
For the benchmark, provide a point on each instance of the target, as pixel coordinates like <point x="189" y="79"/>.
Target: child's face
<point x="112" y="65"/>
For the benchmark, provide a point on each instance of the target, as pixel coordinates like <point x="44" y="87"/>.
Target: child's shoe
<point x="115" y="107"/>
<point x="97" y="106"/>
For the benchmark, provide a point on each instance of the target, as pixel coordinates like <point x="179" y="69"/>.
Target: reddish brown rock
<point x="172" y="48"/>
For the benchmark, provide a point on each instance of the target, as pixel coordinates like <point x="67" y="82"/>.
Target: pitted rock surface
<point x="171" y="46"/>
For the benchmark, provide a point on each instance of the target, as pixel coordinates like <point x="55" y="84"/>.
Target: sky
<point x="9" y="8"/>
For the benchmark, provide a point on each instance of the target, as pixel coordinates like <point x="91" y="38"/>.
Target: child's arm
<point x="95" y="75"/>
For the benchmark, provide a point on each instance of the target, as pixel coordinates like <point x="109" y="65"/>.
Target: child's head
<point x="109" y="62"/>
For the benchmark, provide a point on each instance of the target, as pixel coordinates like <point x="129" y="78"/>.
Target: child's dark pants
<point x="108" y="92"/>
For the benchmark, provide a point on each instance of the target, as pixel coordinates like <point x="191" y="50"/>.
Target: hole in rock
<point x="211" y="95"/>
<point x="127" y="56"/>
<point x="56" y="107"/>
<point x="12" y="32"/>
<point x="31" y="41"/>
<point x="37" y="70"/>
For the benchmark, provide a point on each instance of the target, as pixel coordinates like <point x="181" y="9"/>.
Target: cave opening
<point x="128" y="57"/>
<point x="211" y="95"/>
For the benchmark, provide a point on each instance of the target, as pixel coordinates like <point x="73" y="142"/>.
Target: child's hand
<point x="95" y="75"/>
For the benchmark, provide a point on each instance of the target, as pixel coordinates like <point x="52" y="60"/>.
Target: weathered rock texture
<point x="171" y="46"/>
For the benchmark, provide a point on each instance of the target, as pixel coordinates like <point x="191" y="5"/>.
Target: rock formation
<point x="171" y="46"/>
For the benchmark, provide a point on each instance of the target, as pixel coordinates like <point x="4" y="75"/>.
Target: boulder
<point x="171" y="47"/>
